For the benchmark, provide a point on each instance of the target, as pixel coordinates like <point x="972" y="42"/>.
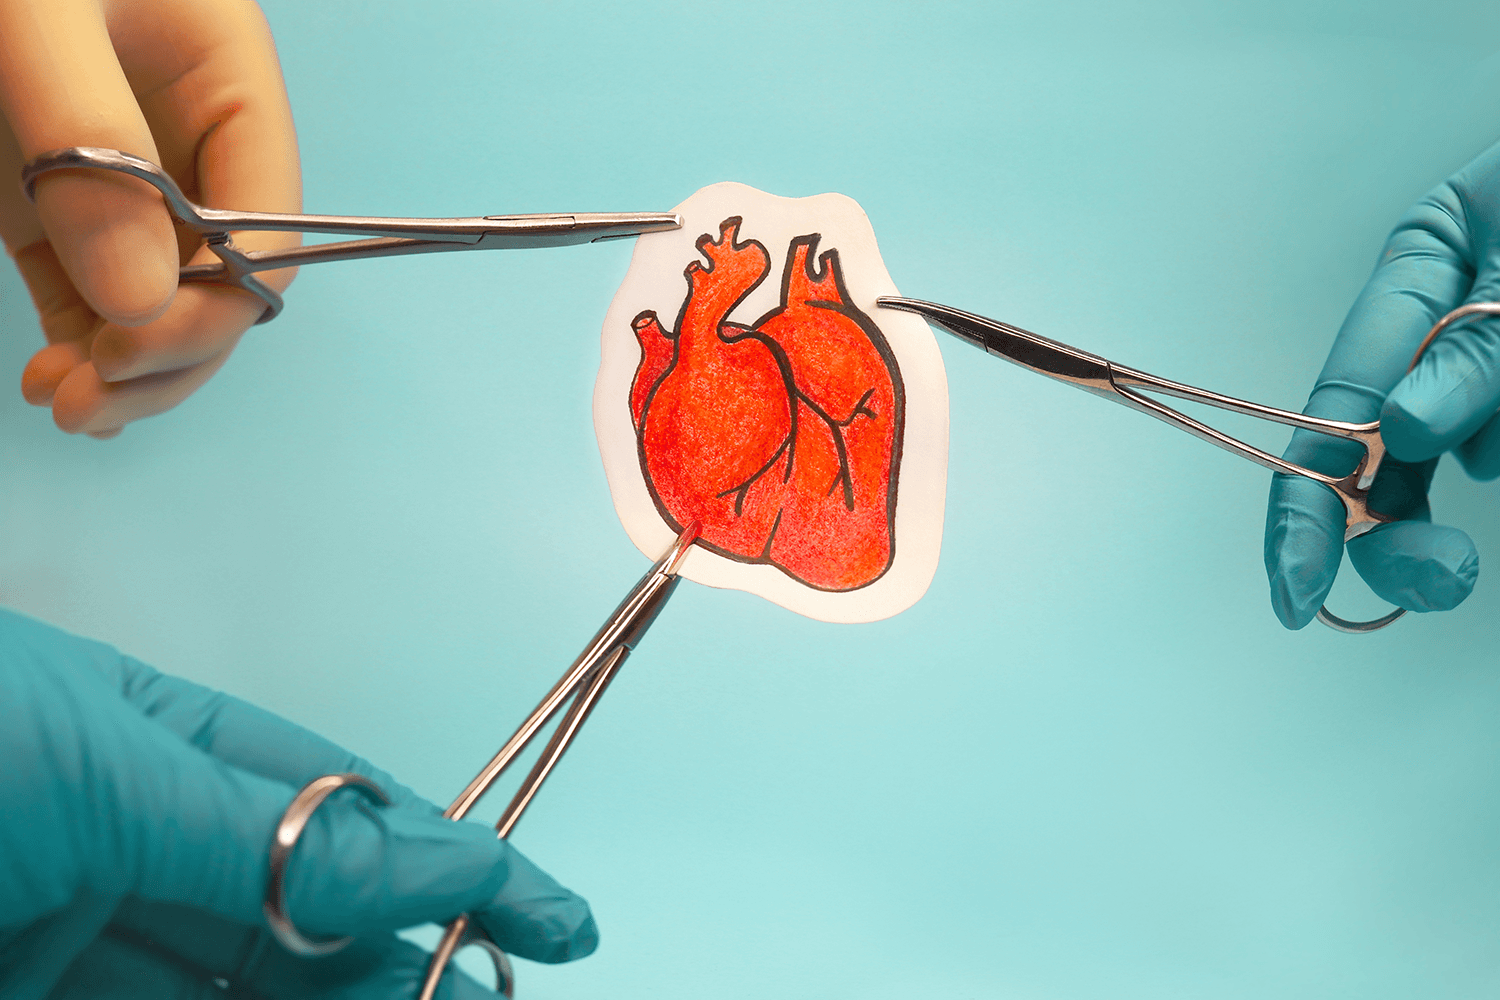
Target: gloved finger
<point x="357" y="869"/>
<point x="1412" y="563"/>
<point x="1453" y="391"/>
<point x="383" y="968"/>
<point x="62" y="85"/>
<point x="244" y="735"/>
<point x="212" y="92"/>
<point x="233" y="731"/>
<point x="112" y="969"/>
<point x="1417" y="565"/>
<point x="1305" y="521"/>
<point x="1424" y="272"/>
<point x="183" y="827"/>
<point x="376" y="888"/>
<point x="50" y="944"/>
<point x="187" y="828"/>
<point x="121" y="966"/>
<point x="1304" y="543"/>
<point x="534" y="917"/>
<point x="530" y="915"/>
<point x="1455" y="387"/>
<point x="1400" y="490"/>
<point x="1480" y="454"/>
<point x="164" y="941"/>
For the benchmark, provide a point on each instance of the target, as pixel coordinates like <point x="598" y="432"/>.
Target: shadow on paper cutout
<point x="783" y="438"/>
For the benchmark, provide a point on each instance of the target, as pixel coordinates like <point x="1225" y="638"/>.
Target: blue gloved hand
<point x="136" y="811"/>
<point x="1444" y="252"/>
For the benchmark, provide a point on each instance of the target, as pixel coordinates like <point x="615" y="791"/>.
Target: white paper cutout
<point x="696" y="433"/>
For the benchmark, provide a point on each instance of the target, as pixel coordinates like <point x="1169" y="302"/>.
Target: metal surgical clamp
<point x="388" y="237"/>
<point x="1094" y="374"/>
<point x="584" y="682"/>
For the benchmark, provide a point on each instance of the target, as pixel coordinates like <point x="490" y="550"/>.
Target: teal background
<point x="1090" y="763"/>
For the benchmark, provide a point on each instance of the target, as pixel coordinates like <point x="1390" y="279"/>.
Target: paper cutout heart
<point x="783" y="438"/>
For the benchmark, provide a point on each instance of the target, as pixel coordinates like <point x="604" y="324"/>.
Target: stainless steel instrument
<point x="584" y="682"/>
<point x="1123" y="385"/>
<point x="385" y="237"/>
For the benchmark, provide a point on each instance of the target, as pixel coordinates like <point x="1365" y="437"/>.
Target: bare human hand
<point x="192" y="85"/>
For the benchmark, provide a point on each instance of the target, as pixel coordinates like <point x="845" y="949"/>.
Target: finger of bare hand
<point x="212" y="91"/>
<point x="67" y="321"/>
<point x="62" y="85"/>
<point x="85" y="403"/>
<point x="204" y="322"/>
<point x="194" y="85"/>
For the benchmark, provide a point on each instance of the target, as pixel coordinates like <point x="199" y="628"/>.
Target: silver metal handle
<point x="385" y="235"/>
<point x="1352" y="490"/>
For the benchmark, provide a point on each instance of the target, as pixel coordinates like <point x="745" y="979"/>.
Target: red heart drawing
<point x="784" y="437"/>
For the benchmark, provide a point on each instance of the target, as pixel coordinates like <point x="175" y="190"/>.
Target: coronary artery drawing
<point x="781" y="436"/>
<point x="749" y="382"/>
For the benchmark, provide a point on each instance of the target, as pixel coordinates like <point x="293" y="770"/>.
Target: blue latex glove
<point x="1444" y="252"/>
<point x="136" y="810"/>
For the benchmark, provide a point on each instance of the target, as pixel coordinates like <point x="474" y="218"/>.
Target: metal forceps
<point x="1094" y="374"/>
<point x="387" y="237"/>
<point x="584" y="682"/>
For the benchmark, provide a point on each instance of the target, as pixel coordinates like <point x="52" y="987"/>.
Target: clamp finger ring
<point x="293" y="822"/>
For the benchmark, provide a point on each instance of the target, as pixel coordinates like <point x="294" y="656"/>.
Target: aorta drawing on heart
<point x="783" y="436"/>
